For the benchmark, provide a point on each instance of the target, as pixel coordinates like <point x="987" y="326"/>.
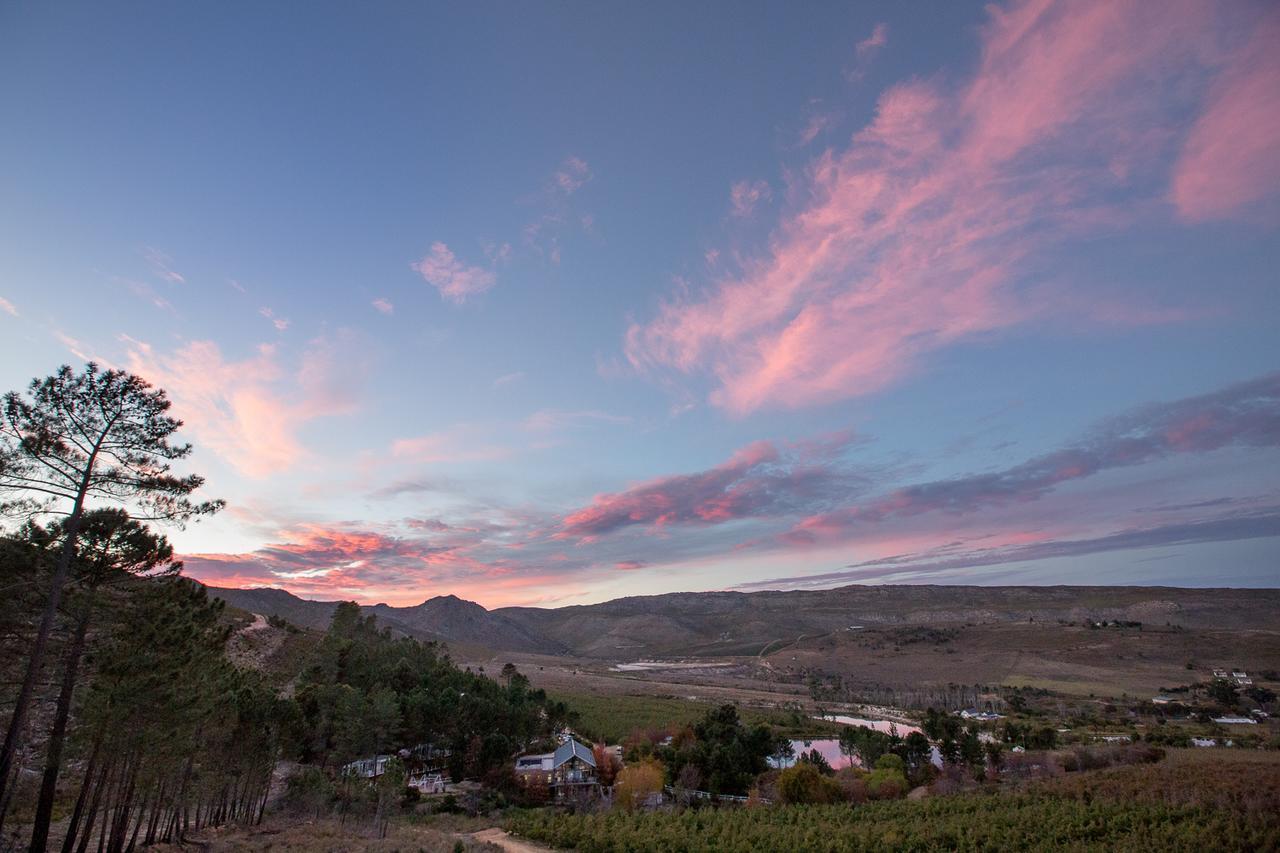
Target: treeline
<point x="365" y="692"/>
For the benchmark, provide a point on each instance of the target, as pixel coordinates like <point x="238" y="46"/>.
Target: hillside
<point x="736" y="623"/>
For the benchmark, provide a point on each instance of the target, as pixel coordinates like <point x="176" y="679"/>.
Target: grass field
<point x="1192" y="801"/>
<point x="612" y="718"/>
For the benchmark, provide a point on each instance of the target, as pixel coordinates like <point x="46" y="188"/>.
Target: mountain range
<point x="696" y="624"/>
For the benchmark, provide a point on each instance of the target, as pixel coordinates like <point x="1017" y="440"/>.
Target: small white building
<point x="1235" y="721"/>
<point x="1203" y="741"/>
<point x="367" y="768"/>
<point x="1162" y="699"/>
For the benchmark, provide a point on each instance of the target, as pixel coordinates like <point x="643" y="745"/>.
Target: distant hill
<point x="737" y="623"/>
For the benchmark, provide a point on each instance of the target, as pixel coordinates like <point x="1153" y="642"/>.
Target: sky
<point x="552" y="303"/>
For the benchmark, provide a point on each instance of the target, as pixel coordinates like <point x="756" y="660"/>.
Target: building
<point x="536" y="766"/>
<point x="367" y="768"/>
<point x="1235" y="721"/>
<point x="1203" y="741"/>
<point x="1162" y="699"/>
<point x="1242" y="678"/>
<point x="571" y="766"/>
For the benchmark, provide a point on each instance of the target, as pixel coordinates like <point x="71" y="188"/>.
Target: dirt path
<point x="501" y="838"/>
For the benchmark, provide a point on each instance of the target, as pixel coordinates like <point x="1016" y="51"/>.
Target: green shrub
<point x="805" y="783"/>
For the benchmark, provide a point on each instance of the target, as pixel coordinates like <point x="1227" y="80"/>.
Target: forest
<point x="128" y="723"/>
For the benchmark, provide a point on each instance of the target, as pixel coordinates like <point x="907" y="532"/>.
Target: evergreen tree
<point x="101" y="436"/>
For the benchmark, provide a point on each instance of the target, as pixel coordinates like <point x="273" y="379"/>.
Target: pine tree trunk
<point x="53" y="754"/>
<point x="35" y="663"/>
<point x="73" y="824"/>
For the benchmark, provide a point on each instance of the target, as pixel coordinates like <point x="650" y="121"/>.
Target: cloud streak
<point x="915" y="237"/>
<point x="759" y="479"/>
<point x="1246" y="414"/>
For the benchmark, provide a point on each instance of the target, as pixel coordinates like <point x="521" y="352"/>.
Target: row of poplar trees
<point x="124" y="714"/>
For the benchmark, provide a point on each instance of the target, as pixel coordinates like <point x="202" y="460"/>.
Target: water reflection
<point x="829" y="748"/>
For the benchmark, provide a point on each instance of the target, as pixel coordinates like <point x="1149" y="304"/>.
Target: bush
<point x="886" y="784"/>
<point x="805" y="783"/>
<point x="309" y="790"/>
<point x="636" y="782"/>
<point x="891" y="762"/>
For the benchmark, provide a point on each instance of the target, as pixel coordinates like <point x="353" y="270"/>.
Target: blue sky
<point x="554" y="303"/>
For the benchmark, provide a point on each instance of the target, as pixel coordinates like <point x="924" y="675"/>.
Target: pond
<point x="829" y="748"/>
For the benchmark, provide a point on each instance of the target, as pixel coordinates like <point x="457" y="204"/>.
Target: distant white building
<point x="1235" y="721"/>
<point x="1203" y="741"/>
<point x="367" y="768"/>
<point x="974" y="714"/>
<point x="1162" y="699"/>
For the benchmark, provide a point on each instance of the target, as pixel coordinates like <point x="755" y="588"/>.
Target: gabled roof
<point x="571" y="748"/>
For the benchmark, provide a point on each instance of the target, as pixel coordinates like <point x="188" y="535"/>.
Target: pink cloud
<point x="383" y="305"/>
<point x="547" y="420"/>
<point x="757" y="480"/>
<point x="913" y="238"/>
<point x="878" y="38"/>
<point x="745" y="195"/>
<point x="162" y="265"/>
<point x="280" y="323"/>
<point x="572" y="174"/>
<point x="250" y="411"/>
<point x="1242" y="415"/>
<point x="455" y="280"/>
<point x="7" y="307"/>
<point x="456" y="445"/>
<point x="1230" y="159"/>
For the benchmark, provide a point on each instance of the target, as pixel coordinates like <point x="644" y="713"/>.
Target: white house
<point x="1235" y="721"/>
<point x="1203" y="741"/>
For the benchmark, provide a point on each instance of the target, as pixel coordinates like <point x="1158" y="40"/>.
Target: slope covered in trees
<point x="126" y="720"/>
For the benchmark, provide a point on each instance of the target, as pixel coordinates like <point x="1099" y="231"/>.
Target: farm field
<point x="1190" y="801"/>
<point x="612" y="718"/>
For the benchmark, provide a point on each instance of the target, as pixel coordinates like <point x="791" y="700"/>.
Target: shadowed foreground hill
<point x="737" y="623"/>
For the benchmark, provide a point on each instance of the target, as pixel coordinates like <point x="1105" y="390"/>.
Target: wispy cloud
<point x="508" y="378"/>
<point x="1229" y="160"/>
<point x="250" y="411"/>
<point x="866" y="50"/>
<point x="162" y="265"/>
<point x="572" y="175"/>
<point x="455" y="280"/>
<point x="761" y="478"/>
<point x="547" y="420"/>
<point x="745" y="195"/>
<point x="454" y="445"/>
<point x="383" y="305"/>
<point x="280" y="323"/>
<point x="558" y="216"/>
<point x="7" y="307"/>
<point x="1242" y="415"/>
<point x="970" y="554"/>
<point x="914" y="238"/>
<point x="878" y="38"/>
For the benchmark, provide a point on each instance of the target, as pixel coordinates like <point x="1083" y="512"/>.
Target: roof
<point x="571" y="748"/>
